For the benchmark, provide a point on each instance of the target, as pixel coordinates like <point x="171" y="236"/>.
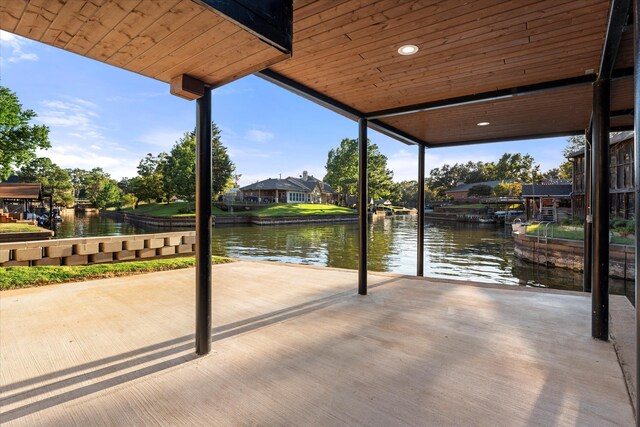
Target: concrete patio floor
<point x="294" y="345"/>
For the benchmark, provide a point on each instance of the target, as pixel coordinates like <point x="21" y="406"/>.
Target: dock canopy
<point x="435" y="73"/>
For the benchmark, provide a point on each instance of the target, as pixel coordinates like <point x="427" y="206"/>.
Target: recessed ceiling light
<point x="408" y="49"/>
<point x="484" y="124"/>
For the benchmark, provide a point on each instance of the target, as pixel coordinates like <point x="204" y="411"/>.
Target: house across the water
<point x="461" y="191"/>
<point x="621" y="186"/>
<point x="305" y="189"/>
<point x="547" y="202"/>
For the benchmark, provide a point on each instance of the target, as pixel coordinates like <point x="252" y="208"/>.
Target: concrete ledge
<point x="146" y="253"/>
<point x="153" y="243"/>
<point x="172" y="241"/>
<point x="16" y="264"/>
<point x="47" y="261"/>
<point x="86" y="249"/>
<point x="101" y="257"/>
<point x="27" y="254"/>
<point x="59" y="251"/>
<point x="167" y="250"/>
<point x="133" y="245"/>
<point x="124" y="255"/>
<point x="75" y="260"/>
<point x="184" y="249"/>
<point x="111" y="246"/>
<point x="90" y="250"/>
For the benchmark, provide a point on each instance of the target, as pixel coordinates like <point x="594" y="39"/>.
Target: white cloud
<point x="77" y="155"/>
<point x="258" y="135"/>
<point x="404" y="165"/>
<point x="17" y="47"/>
<point x="161" y="138"/>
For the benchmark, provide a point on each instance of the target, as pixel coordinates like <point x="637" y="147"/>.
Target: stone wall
<point x="94" y="250"/>
<point x="569" y="254"/>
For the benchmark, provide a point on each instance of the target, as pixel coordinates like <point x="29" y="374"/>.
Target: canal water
<point x="478" y="252"/>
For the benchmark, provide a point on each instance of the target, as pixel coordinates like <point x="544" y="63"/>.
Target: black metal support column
<point x="363" y="206"/>
<point x="203" y="223"/>
<point x="636" y="165"/>
<point x="588" y="225"/>
<point x="600" y="211"/>
<point x="420" y="210"/>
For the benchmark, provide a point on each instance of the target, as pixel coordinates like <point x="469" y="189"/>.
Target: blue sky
<point x="103" y="116"/>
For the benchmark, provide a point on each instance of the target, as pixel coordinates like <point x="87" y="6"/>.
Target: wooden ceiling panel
<point x="560" y="111"/>
<point x="156" y="38"/>
<point x="622" y="94"/>
<point x="350" y="53"/>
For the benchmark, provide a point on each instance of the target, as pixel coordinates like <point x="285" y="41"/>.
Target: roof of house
<point x="467" y="187"/>
<point x="290" y="184"/>
<point x="615" y="139"/>
<point x="20" y="190"/>
<point x="547" y="190"/>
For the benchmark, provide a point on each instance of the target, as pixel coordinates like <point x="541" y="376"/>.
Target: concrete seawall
<point x="95" y="250"/>
<point x="190" y="222"/>
<point x="569" y="254"/>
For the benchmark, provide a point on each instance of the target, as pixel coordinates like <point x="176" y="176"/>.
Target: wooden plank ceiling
<point x="347" y="50"/>
<point x="160" y="39"/>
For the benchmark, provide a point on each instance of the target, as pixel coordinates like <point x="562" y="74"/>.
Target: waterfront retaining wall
<point x="94" y="250"/>
<point x="569" y="254"/>
<point x="190" y="222"/>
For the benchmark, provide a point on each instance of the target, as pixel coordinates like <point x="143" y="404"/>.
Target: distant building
<point x="461" y="191"/>
<point x="548" y="202"/>
<point x="306" y="189"/>
<point x="621" y="185"/>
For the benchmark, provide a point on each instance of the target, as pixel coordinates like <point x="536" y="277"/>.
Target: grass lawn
<point x="572" y="233"/>
<point x="173" y="209"/>
<point x="26" y="277"/>
<point x="19" y="227"/>
<point x="302" y="209"/>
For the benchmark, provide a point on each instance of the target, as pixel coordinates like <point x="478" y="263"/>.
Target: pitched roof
<point x="20" y="190"/>
<point x="615" y="139"/>
<point x="289" y="183"/>
<point x="546" y="190"/>
<point x="467" y="187"/>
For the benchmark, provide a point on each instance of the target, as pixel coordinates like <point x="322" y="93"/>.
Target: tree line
<point x="342" y="175"/>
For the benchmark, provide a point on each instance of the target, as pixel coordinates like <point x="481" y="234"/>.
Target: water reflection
<point x="479" y="252"/>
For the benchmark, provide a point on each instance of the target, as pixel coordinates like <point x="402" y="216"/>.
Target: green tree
<point x="78" y="180"/>
<point x="181" y="167"/>
<point x="52" y="177"/>
<point x="150" y="183"/>
<point x="574" y="143"/>
<point x="96" y="180"/>
<point x="181" y="162"/>
<point x="109" y="195"/>
<point x="511" y="189"/>
<point x="342" y="170"/>
<point x="130" y="200"/>
<point x="18" y="139"/>
<point x="517" y="166"/>
<point x="405" y="193"/>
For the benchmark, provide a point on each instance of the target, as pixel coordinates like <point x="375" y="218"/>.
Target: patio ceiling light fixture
<point x="484" y="124"/>
<point x="408" y="49"/>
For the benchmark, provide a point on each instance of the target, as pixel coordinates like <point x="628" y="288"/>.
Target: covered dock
<point x="431" y="74"/>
